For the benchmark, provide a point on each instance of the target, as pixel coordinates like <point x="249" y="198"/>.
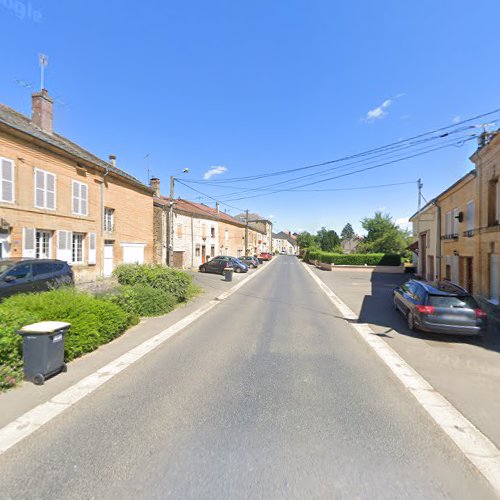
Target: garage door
<point x="133" y="253"/>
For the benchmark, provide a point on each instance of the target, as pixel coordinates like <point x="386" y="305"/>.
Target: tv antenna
<point x="43" y="60"/>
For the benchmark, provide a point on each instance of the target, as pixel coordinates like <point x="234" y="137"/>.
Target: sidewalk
<point x="465" y="371"/>
<point x="17" y="401"/>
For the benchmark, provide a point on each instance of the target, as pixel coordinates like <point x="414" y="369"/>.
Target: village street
<point x="271" y="394"/>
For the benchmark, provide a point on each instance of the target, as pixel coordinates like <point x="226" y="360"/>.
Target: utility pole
<point x="246" y="232"/>
<point x="170" y="235"/>
<point x="420" y="186"/>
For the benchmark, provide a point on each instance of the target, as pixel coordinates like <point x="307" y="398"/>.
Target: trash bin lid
<point x="45" y="327"/>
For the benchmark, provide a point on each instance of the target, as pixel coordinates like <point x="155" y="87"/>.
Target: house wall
<point x="487" y="232"/>
<point x="457" y="244"/>
<point x="231" y="239"/>
<point x="425" y="229"/>
<point x="133" y="207"/>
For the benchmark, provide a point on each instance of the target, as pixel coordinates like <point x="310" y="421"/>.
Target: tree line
<point x="383" y="235"/>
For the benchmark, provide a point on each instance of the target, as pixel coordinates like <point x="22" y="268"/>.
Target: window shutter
<point x="84" y="199"/>
<point x="64" y="245"/>
<point x="455" y="220"/>
<point x="92" y="248"/>
<point x="29" y="243"/>
<point x="39" y="189"/>
<point x="50" y="190"/>
<point x="7" y="180"/>
<point x="76" y="198"/>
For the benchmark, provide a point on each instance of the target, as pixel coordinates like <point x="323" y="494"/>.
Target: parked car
<point x="219" y="263"/>
<point x="250" y="261"/>
<point x="33" y="275"/>
<point x="266" y="256"/>
<point x="444" y="308"/>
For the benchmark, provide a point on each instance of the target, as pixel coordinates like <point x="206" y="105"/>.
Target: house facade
<point x="486" y="230"/>
<point x="57" y="200"/>
<point x="284" y="242"/>
<point x="197" y="232"/>
<point x="262" y="230"/>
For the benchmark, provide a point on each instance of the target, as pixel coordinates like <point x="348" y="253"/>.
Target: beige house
<point x="57" y="200"/>
<point x="197" y="232"/>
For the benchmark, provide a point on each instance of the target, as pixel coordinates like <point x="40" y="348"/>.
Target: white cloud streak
<point x="214" y="171"/>
<point x="380" y="111"/>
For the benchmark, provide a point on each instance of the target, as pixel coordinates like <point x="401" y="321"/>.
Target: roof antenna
<point x="43" y="60"/>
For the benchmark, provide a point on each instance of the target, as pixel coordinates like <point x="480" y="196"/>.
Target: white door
<point x="42" y="245"/>
<point x="108" y="260"/>
<point x="4" y="245"/>
<point x="454" y="269"/>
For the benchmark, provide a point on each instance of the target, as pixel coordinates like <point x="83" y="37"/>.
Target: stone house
<point x="198" y="232"/>
<point x="284" y="242"/>
<point x="263" y="231"/>
<point x="58" y="200"/>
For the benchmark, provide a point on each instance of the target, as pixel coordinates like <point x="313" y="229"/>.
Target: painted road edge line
<point x="480" y="451"/>
<point x="35" y="418"/>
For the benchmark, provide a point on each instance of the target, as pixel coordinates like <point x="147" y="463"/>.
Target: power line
<point x="364" y="153"/>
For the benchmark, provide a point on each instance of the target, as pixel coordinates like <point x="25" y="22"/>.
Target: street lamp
<point x="170" y="233"/>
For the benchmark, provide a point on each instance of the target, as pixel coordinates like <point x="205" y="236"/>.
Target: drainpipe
<point x="192" y="242"/>
<point x="438" y="241"/>
<point x="106" y="172"/>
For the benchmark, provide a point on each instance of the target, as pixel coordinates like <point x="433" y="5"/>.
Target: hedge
<point x="173" y="281"/>
<point x="353" y="259"/>
<point x="93" y="322"/>
<point x="144" y="300"/>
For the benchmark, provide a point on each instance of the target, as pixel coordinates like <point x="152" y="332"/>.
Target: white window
<point x="109" y="216"/>
<point x="447" y="225"/>
<point x="6" y="180"/>
<point x="494" y="279"/>
<point x="64" y="245"/>
<point x="80" y="198"/>
<point x="455" y="221"/>
<point x="45" y="190"/>
<point x="77" y="248"/>
<point x="470" y="216"/>
<point x="42" y="244"/>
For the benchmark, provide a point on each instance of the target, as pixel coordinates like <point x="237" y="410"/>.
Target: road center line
<point x="483" y="454"/>
<point x="32" y="420"/>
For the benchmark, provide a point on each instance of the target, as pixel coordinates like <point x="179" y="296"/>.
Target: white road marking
<point x="33" y="419"/>
<point x="470" y="440"/>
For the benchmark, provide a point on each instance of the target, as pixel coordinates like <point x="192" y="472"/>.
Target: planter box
<point x="376" y="269"/>
<point x="325" y="266"/>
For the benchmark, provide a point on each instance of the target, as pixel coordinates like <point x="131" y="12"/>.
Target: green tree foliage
<point x="306" y="240"/>
<point x="328" y="240"/>
<point x="383" y="235"/>
<point x="347" y="233"/>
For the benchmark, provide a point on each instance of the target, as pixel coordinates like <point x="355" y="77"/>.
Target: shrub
<point x="93" y="321"/>
<point x="354" y="259"/>
<point x="173" y="281"/>
<point x="144" y="300"/>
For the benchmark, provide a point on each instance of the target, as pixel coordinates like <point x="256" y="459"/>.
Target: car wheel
<point x="202" y="270"/>
<point x="411" y="321"/>
<point x="237" y="270"/>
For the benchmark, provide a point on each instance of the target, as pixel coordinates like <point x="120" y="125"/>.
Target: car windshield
<point x="453" y="302"/>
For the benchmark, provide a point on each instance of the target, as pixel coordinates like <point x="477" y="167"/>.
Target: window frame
<point x="2" y="180"/>
<point x="109" y="216"/>
<point x="80" y="199"/>
<point x="45" y="174"/>
<point x="73" y="236"/>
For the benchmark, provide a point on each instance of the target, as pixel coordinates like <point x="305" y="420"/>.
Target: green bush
<point x="93" y="321"/>
<point x="172" y="281"/>
<point x="354" y="259"/>
<point x="144" y="300"/>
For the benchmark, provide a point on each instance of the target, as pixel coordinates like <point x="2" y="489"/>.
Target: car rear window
<point x="457" y="302"/>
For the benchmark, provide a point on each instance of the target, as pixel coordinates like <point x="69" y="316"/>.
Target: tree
<point x="306" y="240"/>
<point x="383" y="235"/>
<point x="328" y="240"/>
<point x="347" y="233"/>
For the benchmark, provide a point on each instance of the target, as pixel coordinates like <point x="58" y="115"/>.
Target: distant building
<point x="350" y="245"/>
<point x="262" y="226"/>
<point x="284" y="242"/>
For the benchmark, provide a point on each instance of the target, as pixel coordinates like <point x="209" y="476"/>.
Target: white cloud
<point x="271" y="216"/>
<point x="380" y="111"/>
<point x="403" y="222"/>
<point x="214" y="171"/>
<point x="456" y="119"/>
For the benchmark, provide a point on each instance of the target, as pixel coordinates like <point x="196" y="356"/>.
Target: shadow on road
<point x="378" y="309"/>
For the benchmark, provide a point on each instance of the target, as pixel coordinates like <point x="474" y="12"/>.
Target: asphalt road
<point x="269" y="395"/>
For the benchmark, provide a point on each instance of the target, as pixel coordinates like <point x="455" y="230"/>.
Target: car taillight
<point x="480" y="314"/>
<point x="426" y="309"/>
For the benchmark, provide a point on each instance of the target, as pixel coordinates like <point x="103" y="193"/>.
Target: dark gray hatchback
<point x="444" y="308"/>
<point x="32" y="275"/>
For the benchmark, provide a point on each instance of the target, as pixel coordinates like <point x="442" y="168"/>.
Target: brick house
<point x="57" y="200"/>
<point x="198" y="232"/>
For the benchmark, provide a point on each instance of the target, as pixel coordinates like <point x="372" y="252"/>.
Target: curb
<point x="35" y="418"/>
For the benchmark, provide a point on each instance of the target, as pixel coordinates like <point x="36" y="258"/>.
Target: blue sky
<point x="261" y="86"/>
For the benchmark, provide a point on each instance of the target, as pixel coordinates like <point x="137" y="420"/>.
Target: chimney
<point x="41" y="110"/>
<point x="112" y="160"/>
<point x="154" y="184"/>
<point x="217" y="207"/>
